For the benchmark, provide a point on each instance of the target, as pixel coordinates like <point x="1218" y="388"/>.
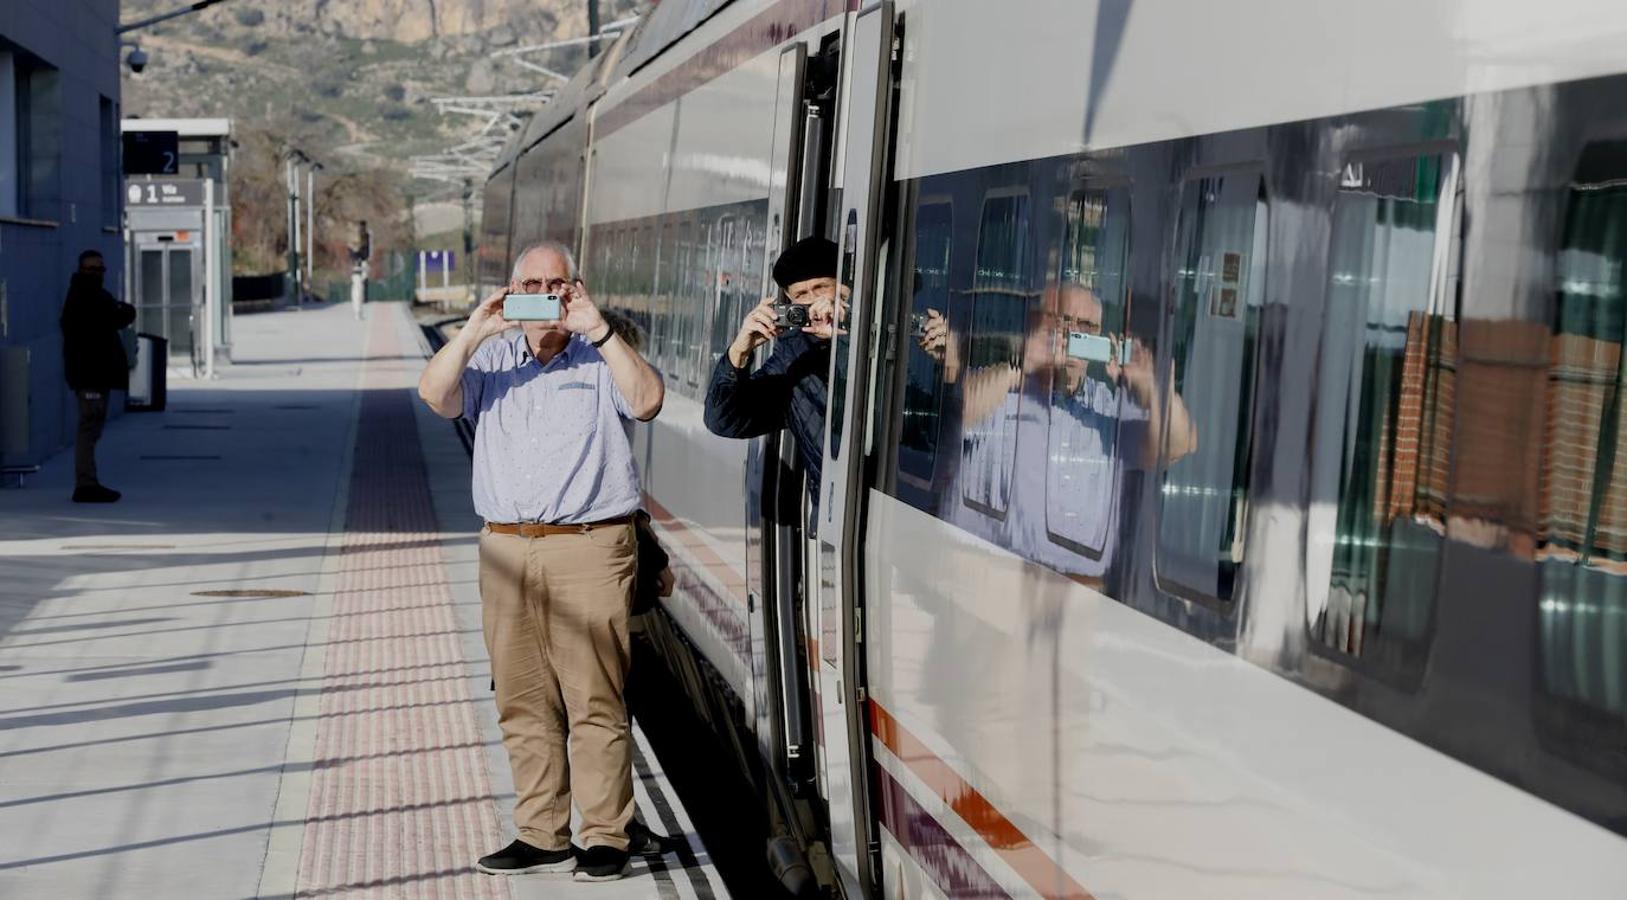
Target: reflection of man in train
<point x="1103" y="418"/>
<point x="1050" y="439"/>
<point x="788" y="389"/>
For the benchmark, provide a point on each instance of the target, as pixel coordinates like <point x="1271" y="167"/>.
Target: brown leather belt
<point x="543" y="529"/>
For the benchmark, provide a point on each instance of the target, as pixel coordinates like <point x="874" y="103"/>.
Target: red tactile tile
<point x="403" y="805"/>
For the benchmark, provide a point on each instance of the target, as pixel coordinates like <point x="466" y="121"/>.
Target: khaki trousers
<point x="555" y="610"/>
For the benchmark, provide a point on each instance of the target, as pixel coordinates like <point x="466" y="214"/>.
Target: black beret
<point x="813" y="257"/>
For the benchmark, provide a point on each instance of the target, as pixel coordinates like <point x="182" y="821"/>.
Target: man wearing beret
<point x="788" y="389"/>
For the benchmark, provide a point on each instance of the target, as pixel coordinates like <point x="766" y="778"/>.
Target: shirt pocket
<point x="570" y="412"/>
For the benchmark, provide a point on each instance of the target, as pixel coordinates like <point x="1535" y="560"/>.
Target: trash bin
<point x="148" y="387"/>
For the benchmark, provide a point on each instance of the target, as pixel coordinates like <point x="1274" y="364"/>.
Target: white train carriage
<point x="1321" y="591"/>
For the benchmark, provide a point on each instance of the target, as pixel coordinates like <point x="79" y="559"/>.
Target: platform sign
<point x="437" y="261"/>
<point x="152" y="153"/>
<point x="164" y="193"/>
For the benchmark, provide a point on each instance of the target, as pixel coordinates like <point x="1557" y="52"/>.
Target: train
<point x="1315" y="585"/>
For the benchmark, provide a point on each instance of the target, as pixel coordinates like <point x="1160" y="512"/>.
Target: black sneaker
<point x="641" y="841"/>
<point x="520" y="858"/>
<point x="95" y="493"/>
<point x="601" y="864"/>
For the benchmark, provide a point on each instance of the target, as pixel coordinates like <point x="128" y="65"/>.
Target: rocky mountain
<point x="352" y="79"/>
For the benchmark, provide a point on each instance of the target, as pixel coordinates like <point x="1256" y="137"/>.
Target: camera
<point x="137" y="60"/>
<point x="531" y="307"/>
<point x="790" y="315"/>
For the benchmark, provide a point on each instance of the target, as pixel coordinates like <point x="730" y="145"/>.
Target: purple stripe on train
<point x="945" y="861"/>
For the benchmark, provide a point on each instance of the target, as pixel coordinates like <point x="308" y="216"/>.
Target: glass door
<point x="169" y="296"/>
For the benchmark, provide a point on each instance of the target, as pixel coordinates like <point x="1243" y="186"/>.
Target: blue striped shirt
<point x="550" y="445"/>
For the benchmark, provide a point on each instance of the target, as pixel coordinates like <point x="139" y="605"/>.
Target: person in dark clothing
<point x="788" y="389"/>
<point x="95" y="364"/>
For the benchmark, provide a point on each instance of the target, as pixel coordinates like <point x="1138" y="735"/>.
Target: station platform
<point x="261" y="673"/>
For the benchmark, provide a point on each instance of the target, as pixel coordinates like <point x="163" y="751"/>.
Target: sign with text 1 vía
<point x="164" y="193"/>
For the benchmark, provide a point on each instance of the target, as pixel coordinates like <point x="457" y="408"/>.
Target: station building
<point x="60" y="194"/>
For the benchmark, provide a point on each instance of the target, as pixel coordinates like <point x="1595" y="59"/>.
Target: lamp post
<point x="288" y="185"/>
<point x="298" y="284"/>
<point x="163" y="17"/>
<point x="310" y="223"/>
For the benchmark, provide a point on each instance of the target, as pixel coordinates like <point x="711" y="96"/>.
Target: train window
<point x="992" y="379"/>
<point x="726" y="253"/>
<point x="1582" y="621"/>
<point x="1083" y="462"/>
<point x="1219" y="291"/>
<point x="660" y="295"/>
<point x="693" y="305"/>
<point x="926" y="341"/>
<point x="1377" y="504"/>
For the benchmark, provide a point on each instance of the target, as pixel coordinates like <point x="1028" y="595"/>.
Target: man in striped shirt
<point x="555" y="481"/>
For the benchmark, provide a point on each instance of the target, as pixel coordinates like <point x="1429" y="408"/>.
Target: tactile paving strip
<point x="400" y="802"/>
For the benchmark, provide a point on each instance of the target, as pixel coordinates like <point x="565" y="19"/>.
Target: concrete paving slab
<point x="240" y="681"/>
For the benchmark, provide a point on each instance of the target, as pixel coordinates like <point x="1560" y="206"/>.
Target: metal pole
<point x="310" y="224"/>
<point x="288" y="185"/>
<point x="299" y="284"/>
<point x="211" y="275"/>
<point x="162" y="17"/>
<point x="468" y="236"/>
<point x="593" y="27"/>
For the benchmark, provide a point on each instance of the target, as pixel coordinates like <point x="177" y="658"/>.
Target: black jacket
<point x="92" y="354"/>
<point x="786" y="391"/>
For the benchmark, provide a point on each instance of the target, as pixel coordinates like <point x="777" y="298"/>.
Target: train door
<point x="843" y="710"/>
<point x="772" y="503"/>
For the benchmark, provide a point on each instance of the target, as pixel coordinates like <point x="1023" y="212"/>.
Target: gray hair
<point x="551" y="246"/>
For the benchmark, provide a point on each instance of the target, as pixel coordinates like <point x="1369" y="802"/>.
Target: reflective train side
<point x="1363" y="632"/>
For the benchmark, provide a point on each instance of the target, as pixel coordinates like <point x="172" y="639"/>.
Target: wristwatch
<point x="608" y="333"/>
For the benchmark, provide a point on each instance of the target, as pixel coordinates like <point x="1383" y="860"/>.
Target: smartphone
<point x="1096" y="348"/>
<point x="531" y="307"/>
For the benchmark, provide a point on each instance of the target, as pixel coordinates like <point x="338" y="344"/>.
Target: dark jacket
<point x="786" y="391"/>
<point x="92" y="354"/>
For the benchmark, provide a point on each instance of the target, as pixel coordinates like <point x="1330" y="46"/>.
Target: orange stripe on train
<point x="1030" y="861"/>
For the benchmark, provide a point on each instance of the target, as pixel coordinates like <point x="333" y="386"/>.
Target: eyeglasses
<point x="540" y="286"/>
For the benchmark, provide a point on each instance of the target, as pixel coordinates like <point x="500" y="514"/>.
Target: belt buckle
<point x="586" y="527"/>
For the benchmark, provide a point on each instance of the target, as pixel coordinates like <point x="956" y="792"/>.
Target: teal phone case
<point x="531" y="307"/>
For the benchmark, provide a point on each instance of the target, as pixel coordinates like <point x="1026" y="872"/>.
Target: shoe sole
<point x="584" y="875"/>
<point x="558" y="867"/>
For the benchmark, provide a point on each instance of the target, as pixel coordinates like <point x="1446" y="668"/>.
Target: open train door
<point x="773" y="486"/>
<point x="843" y="707"/>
